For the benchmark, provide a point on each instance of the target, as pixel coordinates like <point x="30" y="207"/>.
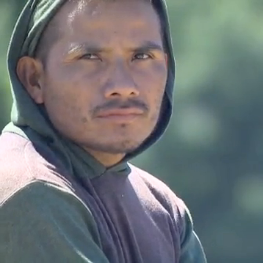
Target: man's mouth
<point x="121" y="115"/>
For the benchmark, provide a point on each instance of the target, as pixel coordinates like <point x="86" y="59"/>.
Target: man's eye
<point x="142" y="56"/>
<point x="90" y="57"/>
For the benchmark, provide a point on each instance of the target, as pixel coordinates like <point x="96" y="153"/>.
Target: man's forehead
<point x="91" y="6"/>
<point x="73" y="10"/>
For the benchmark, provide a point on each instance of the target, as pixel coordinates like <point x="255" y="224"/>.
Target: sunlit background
<point x="212" y="153"/>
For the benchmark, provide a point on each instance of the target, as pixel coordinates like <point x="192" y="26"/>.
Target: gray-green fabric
<point x="65" y="226"/>
<point x="30" y="120"/>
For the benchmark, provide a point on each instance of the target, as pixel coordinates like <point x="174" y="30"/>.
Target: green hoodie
<point x="59" y="204"/>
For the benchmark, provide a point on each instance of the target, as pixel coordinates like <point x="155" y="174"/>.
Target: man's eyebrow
<point x="150" y="45"/>
<point x="94" y="48"/>
<point x="87" y="48"/>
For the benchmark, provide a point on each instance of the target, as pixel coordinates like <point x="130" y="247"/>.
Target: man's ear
<point x="29" y="71"/>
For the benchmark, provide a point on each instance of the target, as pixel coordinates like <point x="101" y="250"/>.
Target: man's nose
<point x="121" y="83"/>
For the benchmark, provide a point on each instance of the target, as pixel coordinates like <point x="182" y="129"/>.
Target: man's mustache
<point x="117" y="104"/>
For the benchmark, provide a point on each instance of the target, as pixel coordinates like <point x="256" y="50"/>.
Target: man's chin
<point x="123" y="147"/>
<point x="120" y="149"/>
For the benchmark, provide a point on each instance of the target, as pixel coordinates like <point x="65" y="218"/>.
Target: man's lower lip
<point x="126" y="118"/>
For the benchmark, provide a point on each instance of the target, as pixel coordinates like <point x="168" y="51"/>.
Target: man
<point x="92" y="86"/>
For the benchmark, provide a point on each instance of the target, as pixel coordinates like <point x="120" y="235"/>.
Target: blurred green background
<point x="212" y="153"/>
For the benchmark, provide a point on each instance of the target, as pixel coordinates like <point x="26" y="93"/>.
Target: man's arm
<point x="191" y="248"/>
<point x="45" y="223"/>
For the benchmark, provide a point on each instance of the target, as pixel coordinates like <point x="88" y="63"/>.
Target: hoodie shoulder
<point x="156" y="186"/>
<point x="190" y="245"/>
<point x="160" y="191"/>
<point x="21" y="164"/>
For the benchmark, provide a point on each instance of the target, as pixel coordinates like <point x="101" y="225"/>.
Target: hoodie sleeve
<point x="191" y="247"/>
<point x="44" y="223"/>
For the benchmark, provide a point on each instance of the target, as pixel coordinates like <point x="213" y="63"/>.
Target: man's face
<point x="105" y="77"/>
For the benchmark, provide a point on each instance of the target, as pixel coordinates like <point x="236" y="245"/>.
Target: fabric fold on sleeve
<point x="44" y="223"/>
<point x="191" y="248"/>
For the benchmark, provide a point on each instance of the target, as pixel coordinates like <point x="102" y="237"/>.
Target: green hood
<point x="29" y="119"/>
